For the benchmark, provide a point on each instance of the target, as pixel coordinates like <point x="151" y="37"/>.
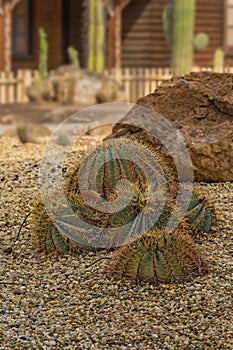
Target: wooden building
<point x="140" y="28"/>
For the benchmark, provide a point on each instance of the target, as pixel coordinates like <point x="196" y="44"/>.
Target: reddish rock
<point x="200" y="105"/>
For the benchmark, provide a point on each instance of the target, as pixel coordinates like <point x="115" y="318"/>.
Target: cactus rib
<point x="158" y="257"/>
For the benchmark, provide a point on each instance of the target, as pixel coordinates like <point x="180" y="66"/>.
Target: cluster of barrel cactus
<point x="135" y="178"/>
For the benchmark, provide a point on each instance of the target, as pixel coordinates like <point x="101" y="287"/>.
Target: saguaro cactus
<point x="183" y="36"/>
<point x="178" y="20"/>
<point x="43" y="57"/>
<point x="96" y="36"/>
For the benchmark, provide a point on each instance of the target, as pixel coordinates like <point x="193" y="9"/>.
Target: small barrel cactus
<point x="158" y="257"/>
<point x="120" y="159"/>
<point x="200" y="214"/>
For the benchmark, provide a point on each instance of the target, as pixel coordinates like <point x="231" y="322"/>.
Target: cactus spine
<point x="96" y="36"/>
<point x="43" y="56"/>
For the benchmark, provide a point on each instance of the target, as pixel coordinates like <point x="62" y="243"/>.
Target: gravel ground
<point x="65" y="303"/>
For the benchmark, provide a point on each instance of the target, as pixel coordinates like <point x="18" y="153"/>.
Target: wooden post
<point x="117" y="35"/>
<point x="20" y="86"/>
<point x="3" y="87"/>
<point x="111" y="36"/>
<point x="115" y="8"/>
<point x="7" y="35"/>
<point x="8" y="5"/>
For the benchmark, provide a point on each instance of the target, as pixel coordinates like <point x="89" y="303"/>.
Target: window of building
<point x="229" y="26"/>
<point x="22" y="29"/>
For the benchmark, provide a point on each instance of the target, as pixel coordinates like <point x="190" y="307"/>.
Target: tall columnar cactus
<point x="43" y="55"/>
<point x="184" y="12"/>
<point x="96" y="36"/>
<point x="178" y="21"/>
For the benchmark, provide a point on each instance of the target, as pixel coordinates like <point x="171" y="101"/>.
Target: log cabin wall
<point x="143" y="41"/>
<point x="48" y="15"/>
<point x="75" y="28"/>
<point x="210" y="20"/>
<point x="50" y="18"/>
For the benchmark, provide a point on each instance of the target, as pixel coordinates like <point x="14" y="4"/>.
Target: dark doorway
<point x="73" y="28"/>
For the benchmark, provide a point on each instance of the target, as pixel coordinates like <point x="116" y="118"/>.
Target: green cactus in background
<point x="73" y="56"/>
<point x="182" y="59"/>
<point x="218" y="61"/>
<point x="24" y="134"/>
<point x="168" y="21"/>
<point x="96" y="36"/>
<point x="158" y="257"/>
<point x="178" y="22"/>
<point x="200" y="42"/>
<point x="43" y="55"/>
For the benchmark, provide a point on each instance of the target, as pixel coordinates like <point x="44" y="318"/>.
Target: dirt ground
<point x="34" y="112"/>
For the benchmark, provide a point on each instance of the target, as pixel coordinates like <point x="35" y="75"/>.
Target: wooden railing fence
<point x="13" y="85"/>
<point x="136" y="82"/>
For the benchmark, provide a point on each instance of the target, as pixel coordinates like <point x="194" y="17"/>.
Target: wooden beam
<point x="111" y="44"/>
<point x="7" y="35"/>
<point x="1" y="7"/>
<point x="7" y="8"/>
<point x="114" y="8"/>
<point x="117" y="15"/>
<point x="111" y="4"/>
<point x="14" y="3"/>
<point x="2" y="2"/>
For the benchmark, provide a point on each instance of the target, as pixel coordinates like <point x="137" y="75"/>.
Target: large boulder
<point x="200" y="105"/>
